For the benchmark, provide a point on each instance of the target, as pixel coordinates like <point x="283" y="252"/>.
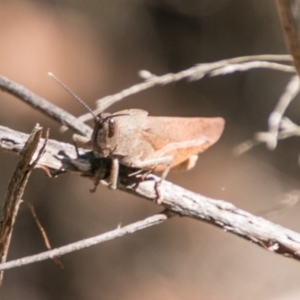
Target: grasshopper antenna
<point x="74" y="95"/>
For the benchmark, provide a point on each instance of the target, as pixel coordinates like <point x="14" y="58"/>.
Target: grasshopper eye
<point x="111" y="128"/>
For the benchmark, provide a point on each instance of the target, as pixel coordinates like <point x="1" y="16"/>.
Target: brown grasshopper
<point x="134" y="139"/>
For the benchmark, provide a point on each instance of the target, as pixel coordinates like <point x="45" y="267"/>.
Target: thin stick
<point x="16" y="189"/>
<point x="289" y="16"/>
<point x="43" y="233"/>
<point x="279" y="127"/>
<point x="151" y="221"/>
<point x="39" y="225"/>
<point x="194" y="73"/>
<point x="42" y="105"/>
<point x="242" y="67"/>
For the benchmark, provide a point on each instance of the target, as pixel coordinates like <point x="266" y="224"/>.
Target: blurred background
<point x="97" y="48"/>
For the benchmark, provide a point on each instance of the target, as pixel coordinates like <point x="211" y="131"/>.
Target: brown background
<point x="97" y="48"/>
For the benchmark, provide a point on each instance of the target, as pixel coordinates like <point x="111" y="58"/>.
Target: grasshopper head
<point x="105" y="135"/>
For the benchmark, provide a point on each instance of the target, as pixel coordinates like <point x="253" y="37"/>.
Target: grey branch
<point x="42" y="105"/>
<point x="61" y="156"/>
<point x="280" y="127"/>
<point x="275" y="119"/>
<point x="197" y="72"/>
<point x="153" y="220"/>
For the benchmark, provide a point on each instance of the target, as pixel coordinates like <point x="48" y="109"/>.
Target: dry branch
<point x="194" y="73"/>
<point x="289" y="16"/>
<point x="45" y="107"/>
<point x="279" y="127"/>
<point x="107" y="236"/>
<point x="16" y="189"/>
<point x="176" y="199"/>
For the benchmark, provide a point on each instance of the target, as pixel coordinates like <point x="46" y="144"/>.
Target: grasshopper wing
<point x="181" y="138"/>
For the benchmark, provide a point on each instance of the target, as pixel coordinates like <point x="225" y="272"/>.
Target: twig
<point x="153" y="220"/>
<point x="288" y="129"/>
<point x="242" y="67"/>
<point x="289" y="15"/>
<point x="276" y="116"/>
<point x="16" y="189"/>
<point x="176" y="199"/>
<point x="43" y="233"/>
<point x="45" y="107"/>
<point x="270" y="137"/>
<point x="279" y="127"/>
<point x="39" y="225"/>
<point x="194" y="73"/>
